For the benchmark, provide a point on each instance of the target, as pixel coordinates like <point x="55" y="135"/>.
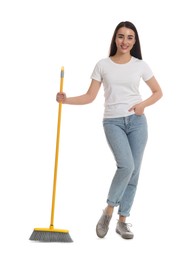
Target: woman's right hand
<point x="61" y="97"/>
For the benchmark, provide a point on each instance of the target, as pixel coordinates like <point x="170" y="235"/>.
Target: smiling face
<point x="125" y="39"/>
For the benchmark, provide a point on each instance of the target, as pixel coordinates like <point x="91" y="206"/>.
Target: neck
<point x="121" y="58"/>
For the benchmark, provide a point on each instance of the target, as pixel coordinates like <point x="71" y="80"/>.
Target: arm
<point x="156" y="95"/>
<point x="86" y="98"/>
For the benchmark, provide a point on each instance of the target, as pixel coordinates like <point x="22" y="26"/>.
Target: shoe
<point x="124" y="230"/>
<point x="102" y="226"/>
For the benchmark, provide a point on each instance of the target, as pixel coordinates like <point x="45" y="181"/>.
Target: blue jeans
<point x="127" y="138"/>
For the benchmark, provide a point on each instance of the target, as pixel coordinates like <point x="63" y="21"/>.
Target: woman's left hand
<point x="138" y="109"/>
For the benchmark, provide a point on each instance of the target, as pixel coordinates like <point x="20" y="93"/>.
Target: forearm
<point x="86" y="98"/>
<point x="152" y="99"/>
<point x="139" y="108"/>
<point x="79" y="100"/>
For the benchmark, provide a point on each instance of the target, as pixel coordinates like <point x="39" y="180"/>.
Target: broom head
<point x="50" y="235"/>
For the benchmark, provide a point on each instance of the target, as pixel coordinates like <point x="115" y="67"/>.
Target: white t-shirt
<point x="121" y="84"/>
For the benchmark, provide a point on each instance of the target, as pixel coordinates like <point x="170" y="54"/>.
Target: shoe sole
<point x="126" y="236"/>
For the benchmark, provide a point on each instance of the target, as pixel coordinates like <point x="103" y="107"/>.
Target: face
<point x="125" y="39"/>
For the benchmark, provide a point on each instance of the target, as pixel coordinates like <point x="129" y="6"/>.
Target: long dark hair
<point x="136" y="50"/>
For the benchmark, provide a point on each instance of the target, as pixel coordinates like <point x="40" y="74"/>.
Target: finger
<point x="131" y="109"/>
<point x="58" y="97"/>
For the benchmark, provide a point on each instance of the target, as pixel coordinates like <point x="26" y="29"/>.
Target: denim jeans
<point x="127" y="138"/>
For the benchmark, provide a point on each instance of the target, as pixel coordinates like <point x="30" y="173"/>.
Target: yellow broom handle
<point x="57" y="151"/>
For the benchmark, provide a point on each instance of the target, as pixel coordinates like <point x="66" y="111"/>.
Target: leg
<point x="109" y="210"/>
<point x="119" y="144"/>
<point x="137" y="137"/>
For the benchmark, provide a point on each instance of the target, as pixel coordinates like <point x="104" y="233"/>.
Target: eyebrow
<point x="120" y="34"/>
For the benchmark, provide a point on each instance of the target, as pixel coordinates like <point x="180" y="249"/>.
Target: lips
<point x="124" y="47"/>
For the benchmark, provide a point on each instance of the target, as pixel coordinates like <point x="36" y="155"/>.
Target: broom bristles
<point x="50" y="236"/>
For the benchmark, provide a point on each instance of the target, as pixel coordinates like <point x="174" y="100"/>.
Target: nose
<point x="125" y="40"/>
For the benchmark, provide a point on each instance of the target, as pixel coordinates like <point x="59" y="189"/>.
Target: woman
<point x="124" y="121"/>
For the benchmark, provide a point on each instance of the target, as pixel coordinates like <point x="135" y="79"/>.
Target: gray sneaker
<point x="124" y="230"/>
<point x="103" y="225"/>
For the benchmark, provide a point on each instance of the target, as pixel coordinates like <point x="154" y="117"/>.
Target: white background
<point x="37" y="38"/>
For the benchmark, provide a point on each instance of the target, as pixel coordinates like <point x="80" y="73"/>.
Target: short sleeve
<point x="96" y="74"/>
<point x="146" y="72"/>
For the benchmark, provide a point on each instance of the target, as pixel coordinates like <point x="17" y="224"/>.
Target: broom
<point x="51" y="234"/>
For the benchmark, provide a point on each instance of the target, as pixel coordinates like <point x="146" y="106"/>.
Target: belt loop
<point x="126" y="120"/>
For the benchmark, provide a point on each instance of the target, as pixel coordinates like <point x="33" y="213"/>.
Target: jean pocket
<point x="139" y="119"/>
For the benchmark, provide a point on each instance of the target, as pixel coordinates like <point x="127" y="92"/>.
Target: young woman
<point x="124" y="121"/>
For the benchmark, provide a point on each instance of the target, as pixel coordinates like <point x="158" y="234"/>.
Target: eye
<point x="120" y="36"/>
